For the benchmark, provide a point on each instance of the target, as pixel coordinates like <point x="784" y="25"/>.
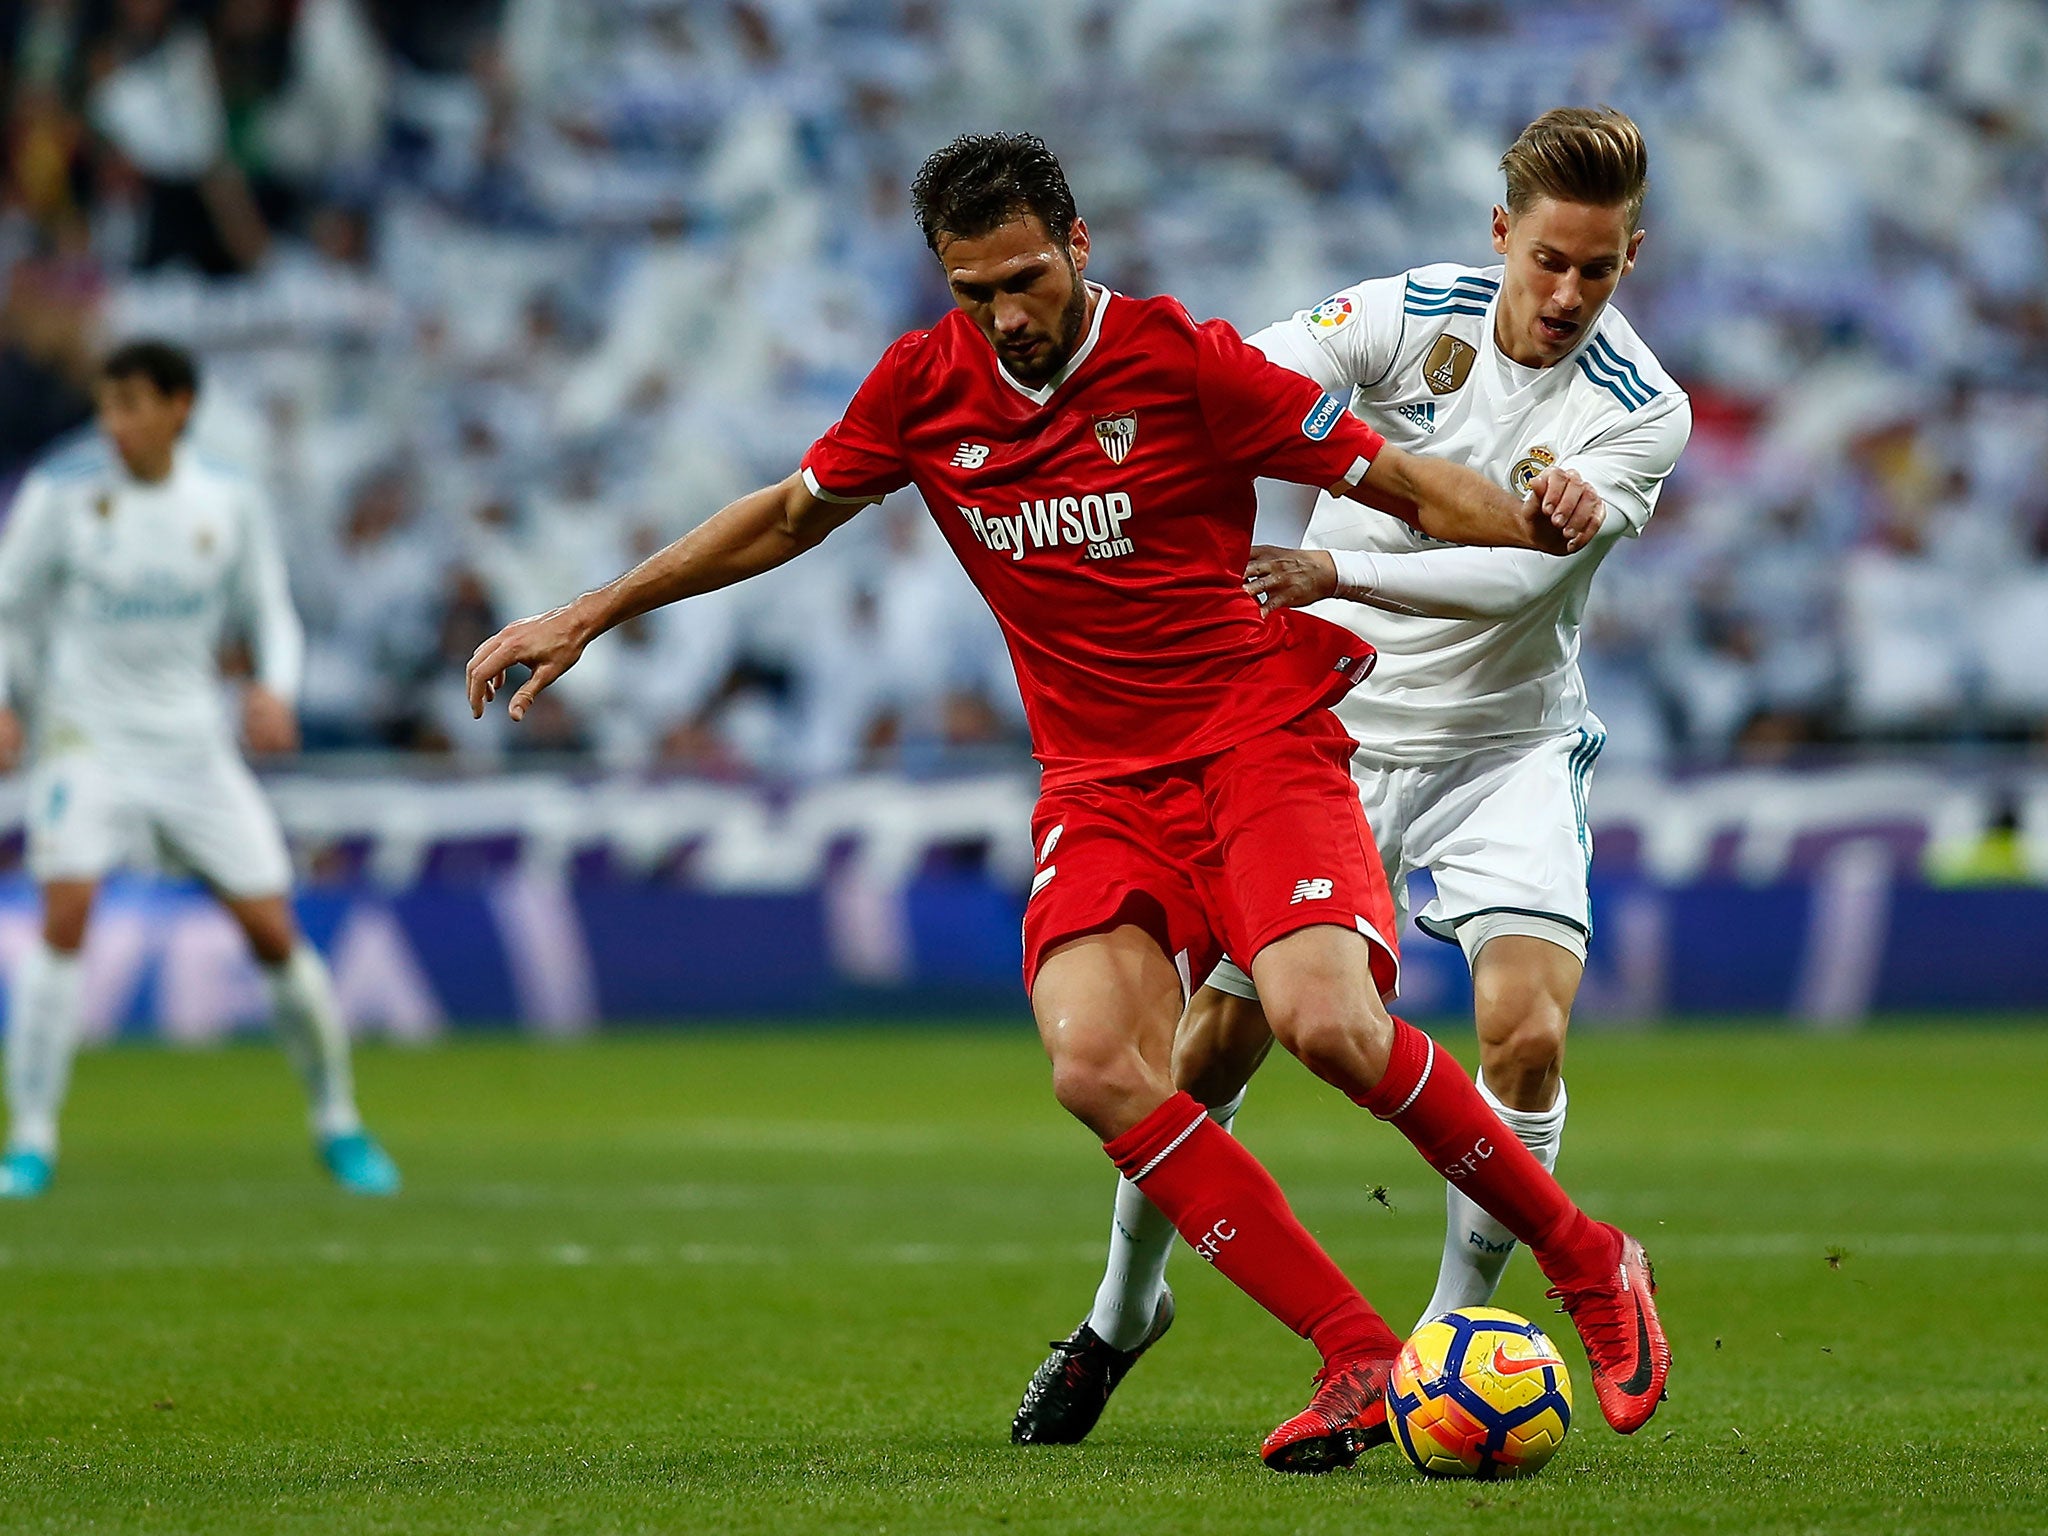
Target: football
<point x="1479" y="1392"/>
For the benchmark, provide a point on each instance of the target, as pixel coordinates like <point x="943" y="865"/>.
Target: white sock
<point x="309" y="1028"/>
<point x="1476" y="1247"/>
<point x="42" y="1034"/>
<point x="1140" y="1238"/>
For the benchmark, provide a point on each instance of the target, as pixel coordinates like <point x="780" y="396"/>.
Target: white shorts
<point x="90" y="813"/>
<point x="1502" y="833"/>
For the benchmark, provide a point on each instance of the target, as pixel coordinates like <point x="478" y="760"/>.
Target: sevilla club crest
<point x="1115" y="435"/>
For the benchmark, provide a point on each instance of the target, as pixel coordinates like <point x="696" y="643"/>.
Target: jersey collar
<point x="1045" y="391"/>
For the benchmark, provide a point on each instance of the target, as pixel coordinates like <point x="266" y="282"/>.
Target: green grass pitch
<point x="794" y="1281"/>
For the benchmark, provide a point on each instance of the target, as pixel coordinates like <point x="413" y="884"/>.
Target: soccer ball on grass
<point x="1479" y="1392"/>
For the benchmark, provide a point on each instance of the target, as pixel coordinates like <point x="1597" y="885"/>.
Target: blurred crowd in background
<point x="497" y="295"/>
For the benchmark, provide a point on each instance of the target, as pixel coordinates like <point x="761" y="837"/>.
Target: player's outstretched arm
<point x="1465" y="583"/>
<point x="1462" y="506"/>
<point x="754" y="534"/>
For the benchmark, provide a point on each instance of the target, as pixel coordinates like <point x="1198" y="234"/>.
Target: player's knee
<point x="65" y="913"/>
<point x="1096" y="1074"/>
<point x="1522" y="1051"/>
<point x="1332" y="1038"/>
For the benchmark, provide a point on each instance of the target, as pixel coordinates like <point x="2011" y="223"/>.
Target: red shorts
<point x="1217" y="855"/>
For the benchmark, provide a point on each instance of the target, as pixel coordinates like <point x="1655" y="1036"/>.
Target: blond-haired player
<point x="1475" y="743"/>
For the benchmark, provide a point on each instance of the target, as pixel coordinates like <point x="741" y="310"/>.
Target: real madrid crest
<point x="1447" y="364"/>
<point x="103" y="505"/>
<point x="1115" y="435"/>
<point x="1527" y="469"/>
<point x="203" y="541"/>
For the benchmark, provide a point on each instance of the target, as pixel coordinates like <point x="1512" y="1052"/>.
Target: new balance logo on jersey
<point x="1422" y="413"/>
<point x="970" y="455"/>
<point x="1311" y="890"/>
<point x="1094" y="522"/>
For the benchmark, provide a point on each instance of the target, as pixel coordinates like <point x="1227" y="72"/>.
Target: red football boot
<point x="1346" y="1418"/>
<point x="1625" y="1343"/>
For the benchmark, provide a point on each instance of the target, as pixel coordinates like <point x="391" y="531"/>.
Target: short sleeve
<point x="1628" y="464"/>
<point x="1348" y="341"/>
<point x="861" y="458"/>
<point x="1271" y="420"/>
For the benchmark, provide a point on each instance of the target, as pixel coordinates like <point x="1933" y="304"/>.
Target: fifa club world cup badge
<point x="1527" y="469"/>
<point x="1447" y="364"/>
<point x="1115" y="435"/>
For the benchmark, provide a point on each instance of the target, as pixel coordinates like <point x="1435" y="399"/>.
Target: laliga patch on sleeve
<point x="1331" y="313"/>
<point x="1322" y="416"/>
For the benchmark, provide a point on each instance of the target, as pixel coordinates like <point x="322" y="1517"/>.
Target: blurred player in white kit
<point x="1476" y="745"/>
<point x="124" y="562"/>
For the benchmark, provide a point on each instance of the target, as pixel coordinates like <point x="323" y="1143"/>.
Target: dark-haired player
<point x="1091" y="459"/>
<point x="128" y="556"/>
<point x="1476" y="745"/>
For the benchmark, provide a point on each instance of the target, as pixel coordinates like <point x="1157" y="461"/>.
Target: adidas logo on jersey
<point x="1094" y="522"/>
<point x="1422" y="413"/>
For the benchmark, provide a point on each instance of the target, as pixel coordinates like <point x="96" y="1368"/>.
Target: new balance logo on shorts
<point x="1311" y="890"/>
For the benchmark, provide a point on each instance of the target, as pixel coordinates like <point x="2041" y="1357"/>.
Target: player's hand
<point x="550" y="643"/>
<point x="10" y="739"/>
<point x="270" y="725"/>
<point x="1565" y="512"/>
<point x="1289" y="578"/>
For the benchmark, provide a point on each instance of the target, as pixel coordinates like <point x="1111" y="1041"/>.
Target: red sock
<point x="1233" y="1214"/>
<point x="1428" y="1098"/>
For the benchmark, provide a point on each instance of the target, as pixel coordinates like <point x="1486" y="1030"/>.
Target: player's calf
<point x="1522" y="1026"/>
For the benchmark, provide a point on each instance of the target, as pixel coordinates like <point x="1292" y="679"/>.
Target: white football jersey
<point x="127" y="588"/>
<point x="1477" y="647"/>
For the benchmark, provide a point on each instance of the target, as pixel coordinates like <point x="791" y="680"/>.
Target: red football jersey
<point x="1106" y="519"/>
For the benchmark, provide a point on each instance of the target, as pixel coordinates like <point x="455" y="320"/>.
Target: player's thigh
<point x="81" y="821"/>
<point x="1294" y="852"/>
<point x="213" y="816"/>
<point x="1223" y="1038"/>
<point x="1106" y="1004"/>
<point x="1102" y="995"/>
<point x="1504" y="837"/>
